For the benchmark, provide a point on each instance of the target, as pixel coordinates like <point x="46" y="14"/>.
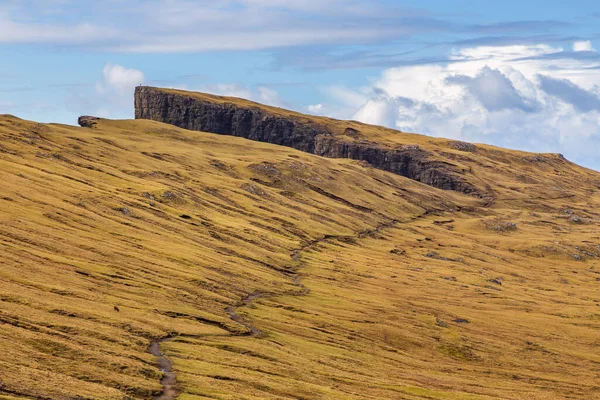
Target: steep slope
<point x="279" y="274"/>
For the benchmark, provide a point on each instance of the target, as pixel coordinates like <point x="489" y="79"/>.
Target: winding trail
<point x="246" y="301"/>
<point x="169" y="380"/>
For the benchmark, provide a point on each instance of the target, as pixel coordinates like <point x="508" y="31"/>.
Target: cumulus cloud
<point x="112" y="96"/>
<point x="493" y="90"/>
<point x="536" y="98"/>
<point x="583" y="46"/>
<point x="119" y="79"/>
<point x="381" y="109"/>
<point x="565" y="90"/>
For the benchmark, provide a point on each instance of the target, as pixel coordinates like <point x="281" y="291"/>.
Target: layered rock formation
<point x="305" y="134"/>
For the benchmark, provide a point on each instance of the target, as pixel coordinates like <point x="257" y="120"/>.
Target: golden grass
<point x="497" y="173"/>
<point x="437" y="305"/>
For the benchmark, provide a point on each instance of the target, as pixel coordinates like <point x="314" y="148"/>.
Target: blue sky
<point x="522" y="74"/>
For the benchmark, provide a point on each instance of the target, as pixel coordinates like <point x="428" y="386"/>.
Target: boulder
<point x="86" y="121"/>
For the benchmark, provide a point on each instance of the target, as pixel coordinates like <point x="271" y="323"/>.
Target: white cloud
<point x="19" y="32"/>
<point x="535" y="98"/>
<point x="315" y="108"/>
<point x="583" y="46"/>
<point x="171" y="26"/>
<point x="381" y="109"/>
<point x="113" y="97"/>
<point x="120" y="79"/>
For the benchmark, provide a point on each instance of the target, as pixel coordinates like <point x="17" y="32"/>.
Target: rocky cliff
<point x="250" y="121"/>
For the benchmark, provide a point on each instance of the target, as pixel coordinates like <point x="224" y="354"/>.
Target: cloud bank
<point x="537" y="98"/>
<point x="185" y="26"/>
<point x="174" y="26"/>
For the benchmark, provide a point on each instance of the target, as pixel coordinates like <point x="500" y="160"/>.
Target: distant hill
<point x="444" y="164"/>
<point x="397" y="267"/>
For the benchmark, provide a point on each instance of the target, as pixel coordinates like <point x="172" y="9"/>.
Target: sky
<point x="520" y="74"/>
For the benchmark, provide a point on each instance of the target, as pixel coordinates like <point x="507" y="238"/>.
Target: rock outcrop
<point x="86" y="121"/>
<point x="256" y="123"/>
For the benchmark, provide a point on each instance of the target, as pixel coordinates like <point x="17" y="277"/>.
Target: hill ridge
<point x="265" y="124"/>
<point x="442" y="163"/>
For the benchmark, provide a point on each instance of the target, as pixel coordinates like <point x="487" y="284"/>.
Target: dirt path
<point x="169" y="379"/>
<point x="246" y="301"/>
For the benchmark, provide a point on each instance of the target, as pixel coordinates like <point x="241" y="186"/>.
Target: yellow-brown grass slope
<point x="485" y="171"/>
<point x="365" y="284"/>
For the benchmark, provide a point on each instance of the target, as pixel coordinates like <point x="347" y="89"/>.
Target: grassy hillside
<point x="276" y="274"/>
<point x="485" y="171"/>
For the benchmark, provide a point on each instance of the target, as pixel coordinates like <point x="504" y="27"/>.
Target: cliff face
<point x="411" y="162"/>
<point x="225" y="119"/>
<point x="259" y="124"/>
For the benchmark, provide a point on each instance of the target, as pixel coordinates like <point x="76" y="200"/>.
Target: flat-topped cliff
<point x="237" y="117"/>
<point x="479" y="170"/>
